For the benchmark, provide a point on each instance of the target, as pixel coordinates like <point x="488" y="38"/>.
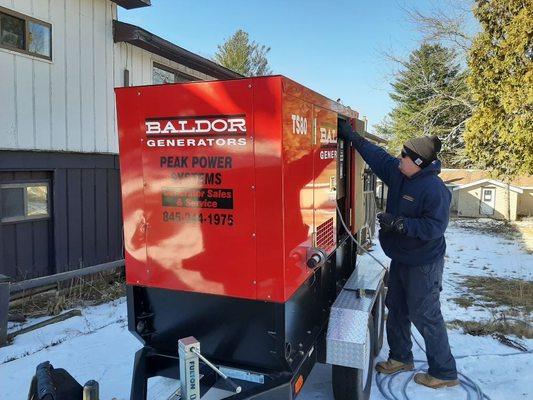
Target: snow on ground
<point x="98" y="346"/>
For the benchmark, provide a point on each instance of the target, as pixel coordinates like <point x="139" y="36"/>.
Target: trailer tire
<point x="379" y="320"/>
<point x="353" y="383"/>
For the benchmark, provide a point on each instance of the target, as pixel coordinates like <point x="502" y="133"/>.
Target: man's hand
<point x="389" y="223"/>
<point x="348" y="133"/>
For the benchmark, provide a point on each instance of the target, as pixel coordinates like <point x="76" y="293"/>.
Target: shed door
<point x="488" y="199"/>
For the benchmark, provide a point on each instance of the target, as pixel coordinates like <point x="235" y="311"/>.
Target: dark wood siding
<point x="25" y="245"/>
<point x="85" y="227"/>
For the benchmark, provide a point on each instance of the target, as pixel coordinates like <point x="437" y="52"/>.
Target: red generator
<point x="232" y="197"/>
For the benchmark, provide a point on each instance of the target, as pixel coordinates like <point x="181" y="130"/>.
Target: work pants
<point x="413" y="296"/>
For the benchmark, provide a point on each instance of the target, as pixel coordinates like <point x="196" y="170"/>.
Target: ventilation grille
<point x="324" y="235"/>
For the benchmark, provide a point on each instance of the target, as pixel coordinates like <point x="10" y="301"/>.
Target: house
<point x="476" y="194"/>
<point x="59" y="171"/>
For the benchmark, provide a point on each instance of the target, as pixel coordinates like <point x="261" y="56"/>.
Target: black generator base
<point x="280" y="341"/>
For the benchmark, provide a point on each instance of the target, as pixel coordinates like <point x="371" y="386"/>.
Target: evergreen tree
<point x="431" y="98"/>
<point x="500" y="133"/>
<point x="242" y="56"/>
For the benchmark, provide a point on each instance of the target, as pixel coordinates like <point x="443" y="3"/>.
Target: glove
<point x="389" y="223"/>
<point x="348" y="133"/>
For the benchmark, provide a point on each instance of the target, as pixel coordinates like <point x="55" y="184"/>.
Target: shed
<point x="476" y="194"/>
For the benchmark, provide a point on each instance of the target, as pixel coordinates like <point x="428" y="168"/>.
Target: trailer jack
<point x="189" y="355"/>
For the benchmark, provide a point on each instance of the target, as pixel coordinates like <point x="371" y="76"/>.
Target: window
<point x="162" y="75"/>
<point x="25" y="34"/>
<point x="487" y="195"/>
<point x="23" y="201"/>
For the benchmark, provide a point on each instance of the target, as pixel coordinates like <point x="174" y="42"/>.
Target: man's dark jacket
<point x="422" y="200"/>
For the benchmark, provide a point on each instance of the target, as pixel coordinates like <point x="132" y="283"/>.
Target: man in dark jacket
<point x="412" y="235"/>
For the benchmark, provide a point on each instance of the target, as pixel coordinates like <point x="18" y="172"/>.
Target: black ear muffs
<point x="49" y="383"/>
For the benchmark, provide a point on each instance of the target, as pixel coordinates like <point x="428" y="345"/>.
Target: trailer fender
<point x="346" y="340"/>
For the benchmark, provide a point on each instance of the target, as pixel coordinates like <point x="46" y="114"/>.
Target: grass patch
<point x="511" y="301"/>
<point x="489" y="226"/>
<point x="464" y="302"/>
<point x="515" y="294"/>
<point x="502" y="326"/>
<point x="78" y="292"/>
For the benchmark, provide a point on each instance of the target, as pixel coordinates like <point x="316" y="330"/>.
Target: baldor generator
<point x="240" y="206"/>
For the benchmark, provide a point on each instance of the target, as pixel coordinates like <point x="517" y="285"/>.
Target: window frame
<point x="25" y="185"/>
<point x="27" y="19"/>
<point x="176" y="73"/>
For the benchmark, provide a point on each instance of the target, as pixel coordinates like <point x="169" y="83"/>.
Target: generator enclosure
<point x="232" y="192"/>
<point x="226" y="185"/>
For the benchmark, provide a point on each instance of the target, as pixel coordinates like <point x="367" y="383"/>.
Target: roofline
<point x="492" y="181"/>
<point x="123" y="32"/>
<point x="130" y="4"/>
<point x="375" y="138"/>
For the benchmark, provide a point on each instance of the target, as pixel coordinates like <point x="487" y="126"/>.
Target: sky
<point x="97" y="345"/>
<point x="333" y="47"/>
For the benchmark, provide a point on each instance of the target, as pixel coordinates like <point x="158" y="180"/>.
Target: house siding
<point x="65" y="104"/>
<point x="59" y="124"/>
<point x="525" y="204"/>
<point x="85" y="223"/>
<point x="139" y="63"/>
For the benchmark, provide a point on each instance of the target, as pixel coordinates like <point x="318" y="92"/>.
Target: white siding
<point x="139" y="63"/>
<point x="66" y="104"/>
<point x="58" y="87"/>
<point x="24" y="103"/>
<point x="8" y="109"/>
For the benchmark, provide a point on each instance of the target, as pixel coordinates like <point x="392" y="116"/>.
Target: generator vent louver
<point x="324" y="235"/>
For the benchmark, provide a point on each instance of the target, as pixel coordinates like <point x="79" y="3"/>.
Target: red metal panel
<point x="129" y="132"/>
<point x="268" y="177"/>
<point x="298" y="199"/>
<point x="197" y="162"/>
<point x="227" y="184"/>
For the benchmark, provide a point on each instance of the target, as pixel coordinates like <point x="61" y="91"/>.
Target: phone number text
<point x="179" y="217"/>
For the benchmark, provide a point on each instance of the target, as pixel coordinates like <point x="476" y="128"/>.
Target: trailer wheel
<point x="352" y="383"/>
<point x="379" y="321"/>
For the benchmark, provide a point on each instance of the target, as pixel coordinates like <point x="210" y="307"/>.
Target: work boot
<point x="391" y="366"/>
<point x="435" y="383"/>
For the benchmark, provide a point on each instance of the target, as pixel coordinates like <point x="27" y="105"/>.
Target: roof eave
<point x="130" y="4"/>
<point x="123" y="32"/>
<point x="512" y="188"/>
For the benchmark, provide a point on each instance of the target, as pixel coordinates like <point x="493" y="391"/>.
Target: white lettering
<point x="199" y="124"/>
<point x="299" y="125"/>
<point x="223" y="125"/>
<point x="196" y="142"/>
<point x="152" y="127"/>
<point x="235" y="123"/>
<point x="328" y="136"/>
<point x="328" y="155"/>
<point x="169" y="128"/>
<point x="177" y="125"/>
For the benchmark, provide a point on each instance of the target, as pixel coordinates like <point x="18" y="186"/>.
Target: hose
<point x="468" y="384"/>
<point x="355" y="240"/>
<point x="472" y="389"/>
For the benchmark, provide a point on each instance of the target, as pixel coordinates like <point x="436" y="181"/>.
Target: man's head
<point x="418" y="153"/>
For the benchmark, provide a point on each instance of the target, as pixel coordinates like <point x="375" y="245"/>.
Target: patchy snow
<point x="98" y="346"/>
